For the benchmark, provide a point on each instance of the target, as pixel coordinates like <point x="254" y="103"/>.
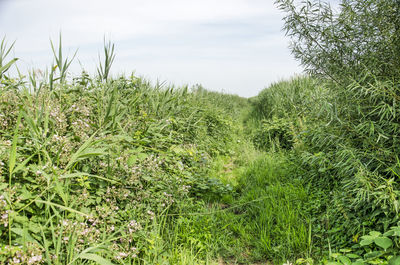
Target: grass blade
<point x="13" y="151"/>
<point x="63" y="207"/>
<point x="96" y="258"/>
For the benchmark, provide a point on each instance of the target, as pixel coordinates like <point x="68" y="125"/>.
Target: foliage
<point x="345" y="119"/>
<point x="345" y="139"/>
<point x="271" y="217"/>
<point x="117" y="170"/>
<point x="363" y="36"/>
<point x="285" y="99"/>
<point x="103" y="70"/>
<point x="90" y="167"/>
<point x="4" y="52"/>
<point x="374" y="248"/>
<point x="274" y="133"/>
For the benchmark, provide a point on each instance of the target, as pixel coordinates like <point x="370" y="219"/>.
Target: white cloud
<point x="86" y="20"/>
<point x="222" y="44"/>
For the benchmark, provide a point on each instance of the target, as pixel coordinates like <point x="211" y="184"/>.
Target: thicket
<point x="106" y="170"/>
<point x="95" y="168"/>
<point x="99" y="169"/>
<point x="343" y="121"/>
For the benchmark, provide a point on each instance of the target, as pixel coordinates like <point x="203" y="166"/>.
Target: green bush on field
<point x="346" y="140"/>
<point x="104" y="169"/>
<point x="345" y="116"/>
<point x="90" y="166"/>
<point x="276" y="132"/>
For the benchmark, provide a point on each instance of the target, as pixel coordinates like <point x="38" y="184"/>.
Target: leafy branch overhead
<point x="344" y="44"/>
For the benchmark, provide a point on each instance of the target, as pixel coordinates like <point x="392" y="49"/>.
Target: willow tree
<point x="361" y="36"/>
<point x="352" y="138"/>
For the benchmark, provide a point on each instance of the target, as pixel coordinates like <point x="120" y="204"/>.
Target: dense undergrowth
<point x="352" y="185"/>
<point x="90" y="167"/>
<point x="96" y="169"/>
<point x="340" y="125"/>
<point x="120" y="171"/>
<point x="103" y="170"/>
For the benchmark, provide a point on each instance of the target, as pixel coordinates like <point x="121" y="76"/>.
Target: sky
<point x="234" y="46"/>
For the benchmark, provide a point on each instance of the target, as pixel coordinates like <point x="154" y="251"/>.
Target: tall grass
<point x="272" y="218"/>
<point x="90" y="168"/>
<point x="4" y="52"/>
<point x="345" y="140"/>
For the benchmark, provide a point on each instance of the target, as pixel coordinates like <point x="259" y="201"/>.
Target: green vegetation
<point x="340" y="126"/>
<point x="116" y="170"/>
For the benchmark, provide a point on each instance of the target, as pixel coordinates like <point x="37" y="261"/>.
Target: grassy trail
<point x="262" y="220"/>
<point x="103" y="170"/>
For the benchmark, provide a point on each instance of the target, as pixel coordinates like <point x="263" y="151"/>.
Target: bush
<point x="87" y="168"/>
<point x="276" y="132"/>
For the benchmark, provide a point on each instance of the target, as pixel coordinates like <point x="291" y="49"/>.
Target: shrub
<point x="276" y="132"/>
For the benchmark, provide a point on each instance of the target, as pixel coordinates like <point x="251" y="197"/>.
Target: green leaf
<point x="82" y="152"/>
<point x="358" y="262"/>
<point x="396" y="230"/>
<point x="80" y="174"/>
<point x="366" y="242"/>
<point x="23" y="164"/>
<point x="373" y="254"/>
<point x="7" y="66"/>
<point x="383" y="242"/>
<point x="142" y="156"/>
<point x="395" y="260"/>
<point x="32" y="124"/>
<point x="132" y="160"/>
<point x="368" y="237"/>
<point x="375" y="233"/>
<point x="96" y="258"/>
<point x="62" y="207"/>
<point x="26" y="235"/>
<point x="345" y="260"/>
<point x="13" y="151"/>
<point x="388" y="233"/>
<point x="25" y="194"/>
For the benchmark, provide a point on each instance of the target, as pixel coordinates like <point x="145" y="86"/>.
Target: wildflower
<point x="4" y="219"/>
<point x="133" y="226"/>
<point x="151" y="214"/>
<point x="121" y="255"/>
<point x="34" y="259"/>
<point x="85" y="232"/>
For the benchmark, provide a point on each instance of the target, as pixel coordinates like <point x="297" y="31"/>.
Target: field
<point x="99" y="169"/>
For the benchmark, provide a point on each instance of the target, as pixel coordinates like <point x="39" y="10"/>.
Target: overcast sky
<point x="235" y="46"/>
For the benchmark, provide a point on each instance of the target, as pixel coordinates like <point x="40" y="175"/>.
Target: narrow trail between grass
<point x="261" y="220"/>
